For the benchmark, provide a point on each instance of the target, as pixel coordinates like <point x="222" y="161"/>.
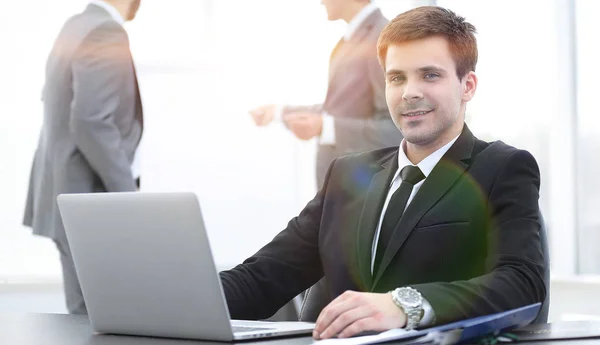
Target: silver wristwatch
<point x="411" y="302"/>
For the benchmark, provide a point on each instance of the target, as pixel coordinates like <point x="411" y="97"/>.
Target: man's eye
<point x="431" y="76"/>
<point x="396" y="79"/>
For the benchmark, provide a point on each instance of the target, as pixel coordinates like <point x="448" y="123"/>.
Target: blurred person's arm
<point x="376" y="130"/>
<point x="327" y="133"/>
<point x="264" y="115"/>
<point x="370" y="131"/>
<point x="98" y="82"/>
<point x="357" y="134"/>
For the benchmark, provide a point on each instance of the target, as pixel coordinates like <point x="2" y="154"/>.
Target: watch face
<point x="410" y="298"/>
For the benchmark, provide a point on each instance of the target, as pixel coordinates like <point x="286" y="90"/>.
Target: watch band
<point x="411" y="303"/>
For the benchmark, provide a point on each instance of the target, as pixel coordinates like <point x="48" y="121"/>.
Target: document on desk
<point x="405" y="337"/>
<point x="393" y="334"/>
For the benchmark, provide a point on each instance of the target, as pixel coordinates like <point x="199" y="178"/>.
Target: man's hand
<point x="263" y="115"/>
<point x="304" y="125"/>
<point x="355" y="312"/>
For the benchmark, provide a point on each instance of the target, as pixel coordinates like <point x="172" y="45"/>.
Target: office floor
<point x="28" y="302"/>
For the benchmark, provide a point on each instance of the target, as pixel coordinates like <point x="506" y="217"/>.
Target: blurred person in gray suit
<point x="92" y="124"/>
<point x="354" y="116"/>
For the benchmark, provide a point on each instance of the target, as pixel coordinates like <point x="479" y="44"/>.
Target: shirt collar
<point x="114" y="13"/>
<point x="427" y="164"/>
<point x="358" y="19"/>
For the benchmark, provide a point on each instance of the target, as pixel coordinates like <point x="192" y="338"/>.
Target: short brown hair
<point x="427" y="21"/>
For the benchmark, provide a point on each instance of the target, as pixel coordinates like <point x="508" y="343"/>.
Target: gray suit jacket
<point x="355" y="97"/>
<point x="92" y="118"/>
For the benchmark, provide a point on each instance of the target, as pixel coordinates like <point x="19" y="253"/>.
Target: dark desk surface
<point x="59" y="329"/>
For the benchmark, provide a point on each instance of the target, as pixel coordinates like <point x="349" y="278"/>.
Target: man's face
<point x="425" y="97"/>
<point x="133" y="8"/>
<point x="335" y="8"/>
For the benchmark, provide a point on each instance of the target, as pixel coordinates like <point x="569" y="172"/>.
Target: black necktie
<point x="411" y="175"/>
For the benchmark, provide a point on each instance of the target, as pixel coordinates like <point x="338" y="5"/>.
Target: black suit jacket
<point x="468" y="241"/>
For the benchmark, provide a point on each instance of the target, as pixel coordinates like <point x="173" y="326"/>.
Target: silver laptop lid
<point x="160" y="240"/>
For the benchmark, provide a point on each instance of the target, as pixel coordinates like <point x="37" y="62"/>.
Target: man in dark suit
<point x="92" y="124"/>
<point x="353" y="117"/>
<point x="443" y="228"/>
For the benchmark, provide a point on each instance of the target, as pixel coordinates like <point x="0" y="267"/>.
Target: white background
<point x="203" y="64"/>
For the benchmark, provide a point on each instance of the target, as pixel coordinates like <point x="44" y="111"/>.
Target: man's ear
<point x="470" y="86"/>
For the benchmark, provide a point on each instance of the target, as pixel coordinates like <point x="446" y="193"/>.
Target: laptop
<point x="145" y="267"/>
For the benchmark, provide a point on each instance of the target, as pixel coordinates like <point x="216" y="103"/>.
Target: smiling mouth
<point x="416" y="113"/>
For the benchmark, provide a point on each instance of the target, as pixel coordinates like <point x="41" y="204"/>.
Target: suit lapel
<point x="442" y="177"/>
<point x="338" y="55"/>
<point x="371" y="212"/>
<point x="366" y="26"/>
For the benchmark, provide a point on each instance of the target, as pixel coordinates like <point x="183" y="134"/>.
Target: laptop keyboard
<point x="248" y="329"/>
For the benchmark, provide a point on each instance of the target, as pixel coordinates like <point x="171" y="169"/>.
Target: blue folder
<point x="486" y="325"/>
<point x="452" y="333"/>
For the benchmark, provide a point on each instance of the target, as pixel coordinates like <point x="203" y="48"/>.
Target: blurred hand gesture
<point x="304" y="125"/>
<point x="263" y="115"/>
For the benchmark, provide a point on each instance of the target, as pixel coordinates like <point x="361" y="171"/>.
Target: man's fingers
<point x="325" y="316"/>
<point x="346" y="320"/>
<point x="297" y="116"/>
<point x="346" y="301"/>
<point x="262" y="115"/>
<point x="370" y="323"/>
<point x="299" y="129"/>
<point x="294" y="120"/>
<point x="257" y="119"/>
<point x="257" y="115"/>
<point x="356" y="312"/>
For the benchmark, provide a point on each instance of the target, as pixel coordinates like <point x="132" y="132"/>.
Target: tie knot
<point x="412" y="174"/>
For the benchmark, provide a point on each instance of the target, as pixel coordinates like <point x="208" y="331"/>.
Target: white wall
<point x="199" y="136"/>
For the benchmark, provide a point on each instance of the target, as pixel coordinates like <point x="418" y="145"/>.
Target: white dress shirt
<point x="114" y="13"/>
<point x="358" y="19"/>
<point x="426" y="166"/>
